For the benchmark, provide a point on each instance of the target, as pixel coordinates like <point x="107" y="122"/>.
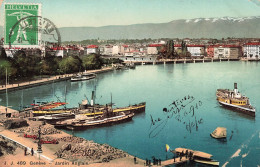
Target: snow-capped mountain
<point x="232" y="19"/>
<point x="223" y="27"/>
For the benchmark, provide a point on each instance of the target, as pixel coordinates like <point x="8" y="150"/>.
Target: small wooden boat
<point x="130" y="65"/>
<point x="52" y="119"/>
<point x="194" y="152"/>
<point x="47" y="106"/>
<point x="219" y="133"/>
<point x="208" y="162"/>
<point x="51" y="112"/>
<point x="198" y="156"/>
<point x="118" y="66"/>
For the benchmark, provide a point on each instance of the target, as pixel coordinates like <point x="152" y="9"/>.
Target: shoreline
<point x="44" y="81"/>
<point x="50" y="156"/>
<point x="58" y="78"/>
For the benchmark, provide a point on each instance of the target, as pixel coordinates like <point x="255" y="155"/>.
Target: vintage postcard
<point x="124" y="83"/>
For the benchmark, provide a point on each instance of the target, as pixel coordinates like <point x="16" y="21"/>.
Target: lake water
<point x="159" y="86"/>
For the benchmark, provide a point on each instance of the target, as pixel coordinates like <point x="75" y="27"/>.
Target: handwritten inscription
<point x="183" y="111"/>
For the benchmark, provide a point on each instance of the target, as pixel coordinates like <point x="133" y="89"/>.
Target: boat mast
<point x="53" y="92"/>
<point x="6" y="87"/>
<point x="92" y="103"/>
<point x="111" y="102"/>
<point x="65" y="95"/>
<point x="21" y="101"/>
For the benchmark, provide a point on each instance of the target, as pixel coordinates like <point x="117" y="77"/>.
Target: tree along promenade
<point x="57" y="78"/>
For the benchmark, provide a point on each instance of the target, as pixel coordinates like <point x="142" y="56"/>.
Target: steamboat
<point x="235" y="100"/>
<point x="84" y="76"/>
<point x="93" y="109"/>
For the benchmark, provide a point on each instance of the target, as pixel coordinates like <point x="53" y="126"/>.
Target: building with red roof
<point x="92" y="49"/>
<point x="153" y="49"/>
<point x="196" y="50"/>
<point x="210" y="51"/>
<point x="154" y="45"/>
<point x="92" y="46"/>
<point x="224" y="51"/>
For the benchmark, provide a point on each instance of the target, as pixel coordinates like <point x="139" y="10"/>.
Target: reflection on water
<point x="159" y="86"/>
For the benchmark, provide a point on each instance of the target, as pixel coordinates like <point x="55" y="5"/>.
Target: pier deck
<point x="177" y="161"/>
<point x="178" y="61"/>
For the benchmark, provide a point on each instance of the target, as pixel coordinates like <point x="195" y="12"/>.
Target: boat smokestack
<point x="235" y="89"/>
<point x="92" y="99"/>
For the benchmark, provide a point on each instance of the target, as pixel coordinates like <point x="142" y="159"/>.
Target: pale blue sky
<point x="67" y="13"/>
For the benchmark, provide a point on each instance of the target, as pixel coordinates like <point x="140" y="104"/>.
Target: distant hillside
<point x="194" y="28"/>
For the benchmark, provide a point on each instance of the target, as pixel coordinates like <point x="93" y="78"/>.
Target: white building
<point x="92" y="49"/>
<point x="9" y="53"/>
<point x="251" y="50"/>
<point x="152" y="49"/>
<point x="115" y="50"/>
<point x="227" y="51"/>
<point x="162" y="42"/>
<point x="196" y="50"/>
<point x="59" y="53"/>
<point x="221" y="52"/>
<point x="108" y="50"/>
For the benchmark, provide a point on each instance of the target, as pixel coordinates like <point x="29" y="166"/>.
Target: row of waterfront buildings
<point x="249" y="50"/>
<point x="225" y="49"/>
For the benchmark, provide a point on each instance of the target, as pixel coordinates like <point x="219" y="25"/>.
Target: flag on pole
<point x="167" y="147"/>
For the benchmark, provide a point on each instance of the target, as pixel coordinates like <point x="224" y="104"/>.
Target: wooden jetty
<point x="177" y="161"/>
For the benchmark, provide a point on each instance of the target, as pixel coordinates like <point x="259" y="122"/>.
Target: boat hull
<point x="250" y="112"/>
<point x="98" y="124"/>
<point x="216" y="137"/>
<point x="134" y="109"/>
<point x="51" y="112"/>
<point x="82" y="79"/>
<point x="210" y="162"/>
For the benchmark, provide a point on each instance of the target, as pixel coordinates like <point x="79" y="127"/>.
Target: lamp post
<point x="39" y="149"/>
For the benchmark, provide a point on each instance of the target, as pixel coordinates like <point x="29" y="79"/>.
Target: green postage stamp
<point x="20" y="31"/>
